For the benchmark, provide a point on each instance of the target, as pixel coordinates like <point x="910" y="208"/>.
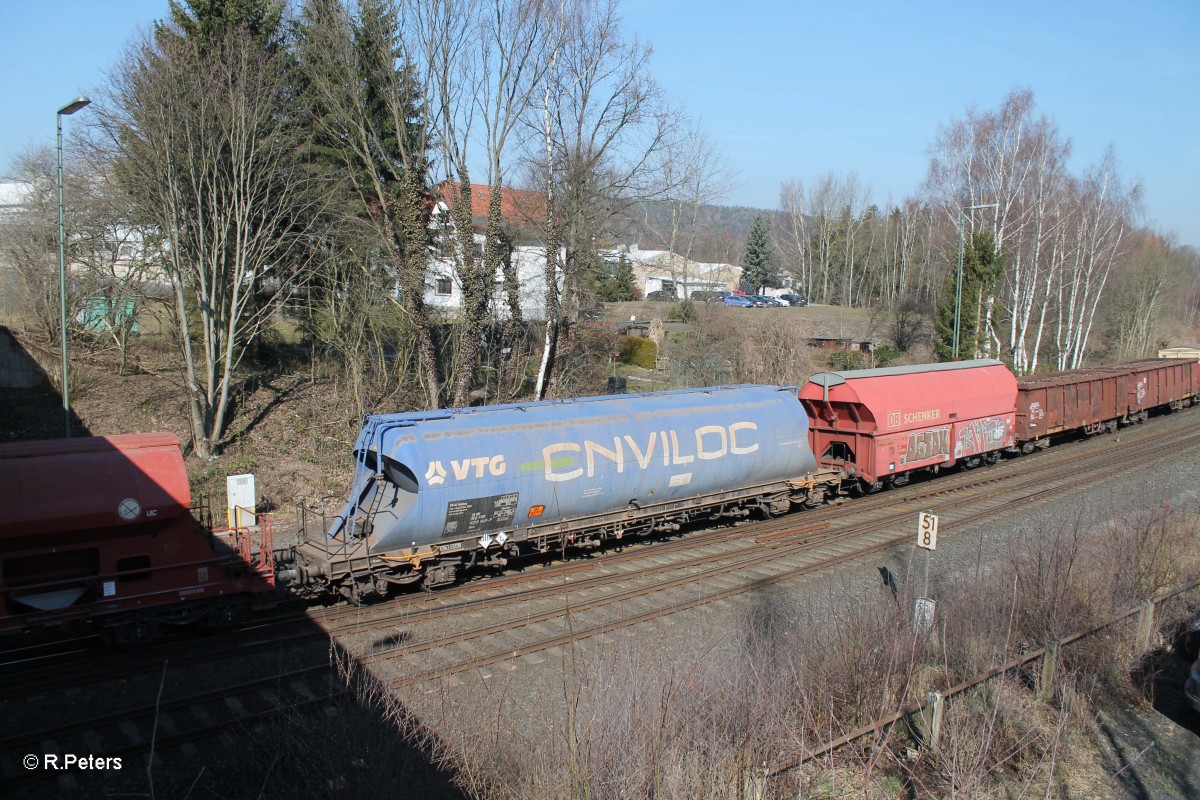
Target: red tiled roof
<point x="519" y="207"/>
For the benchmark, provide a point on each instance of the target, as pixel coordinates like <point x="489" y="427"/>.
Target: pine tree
<point x="758" y="269"/>
<point x="614" y="280"/>
<point x="207" y="20"/>
<point x="983" y="267"/>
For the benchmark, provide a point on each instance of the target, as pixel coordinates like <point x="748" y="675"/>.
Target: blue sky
<point x="796" y="90"/>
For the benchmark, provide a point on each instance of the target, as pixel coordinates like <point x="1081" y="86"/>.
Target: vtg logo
<point x="436" y="474"/>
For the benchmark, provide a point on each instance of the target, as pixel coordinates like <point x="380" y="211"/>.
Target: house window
<point x="442" y="286"/>
<point x="477" y="250"/>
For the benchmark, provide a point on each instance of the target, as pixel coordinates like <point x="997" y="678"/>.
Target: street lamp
<point x="69" y="108"/>
<point x="962" y="218"/>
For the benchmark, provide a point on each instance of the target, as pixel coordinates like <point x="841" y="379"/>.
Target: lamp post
<point x="962" y="219"/>
<point x="69" y="108"/>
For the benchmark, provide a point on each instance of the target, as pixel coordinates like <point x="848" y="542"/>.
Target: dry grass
<point x="700" y="718"/>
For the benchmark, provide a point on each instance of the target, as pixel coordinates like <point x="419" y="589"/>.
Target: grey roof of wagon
<point x="828" y="379"/>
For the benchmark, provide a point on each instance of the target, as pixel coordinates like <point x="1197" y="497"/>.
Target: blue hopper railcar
<point x="438" y="491"/>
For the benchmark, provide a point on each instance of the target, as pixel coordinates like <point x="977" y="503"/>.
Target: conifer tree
<point x="983" y="267"/>
<point x="758" y="269"/>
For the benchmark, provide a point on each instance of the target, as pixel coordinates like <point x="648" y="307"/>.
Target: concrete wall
<point x="17" y="369"/>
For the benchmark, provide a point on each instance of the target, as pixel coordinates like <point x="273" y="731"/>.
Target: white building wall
<point x="443" y="287"/>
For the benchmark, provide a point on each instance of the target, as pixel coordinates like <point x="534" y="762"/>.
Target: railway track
<point x="656" y="595"/>
<point x="421" y="639"/>
<point x="80" y="659"/>
<point x="174" y="723"/>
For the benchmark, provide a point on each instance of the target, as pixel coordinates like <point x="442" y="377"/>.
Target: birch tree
<point x="792" y="235"/>
<point x="851" y="220"/>
<point x="1098" y="237"/>
<point x="1059" y="236"/>
<point x="826" y="203"/>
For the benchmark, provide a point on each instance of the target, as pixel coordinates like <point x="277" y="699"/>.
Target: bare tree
<point x="691" y="172"/>
<point x="792" y="235"/>
<point x="601" y="121"/>
<point x="29" y="241"/>
<point x="855" y="196"/>
<point x="110" y="261"/>
<point x="514" y="38"/>
<point x="207" y="150"/>
<point x="1060" y="237"/>
<point x="1104" y="209"/>
<point x="1141" y="308"/>
<point x="825" y="204"/>
<point x="119" y="261"/>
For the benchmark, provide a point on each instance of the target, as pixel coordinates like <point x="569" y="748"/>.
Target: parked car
<point x="793" y="299"/>
<point x="770" y="302"/>
<point x="661" y="296"/>
<point x="739" y="300"/>
<point x="708" y="297"/>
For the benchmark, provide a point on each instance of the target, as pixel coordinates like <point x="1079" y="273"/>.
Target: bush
<point x="886" y="354"/>
<point x="847" y="359"/>
<point x="684" y="311"/>
<point x="639" y="352"/>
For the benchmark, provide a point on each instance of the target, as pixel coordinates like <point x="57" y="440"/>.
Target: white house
<point x="13" y="197"/>
<point x="521" y="212"/>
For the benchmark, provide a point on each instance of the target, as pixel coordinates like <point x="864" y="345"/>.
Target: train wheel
<point x="351" y="593"/>
<point x="779" y="505"/>
<point x="225" y="615"/>
<point x="134" y="632"/>
<point x="438" y="575"/>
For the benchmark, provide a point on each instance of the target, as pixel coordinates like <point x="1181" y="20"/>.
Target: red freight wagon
<point x="1085" y="399"/>
<point x="1155" y="382"/>
<point x="76" y="484"/>
<point x="100" y="527"/>
<point x="888" y="422"/>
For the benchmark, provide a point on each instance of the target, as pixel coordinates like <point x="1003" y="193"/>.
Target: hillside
<point x="720" y="231"/>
